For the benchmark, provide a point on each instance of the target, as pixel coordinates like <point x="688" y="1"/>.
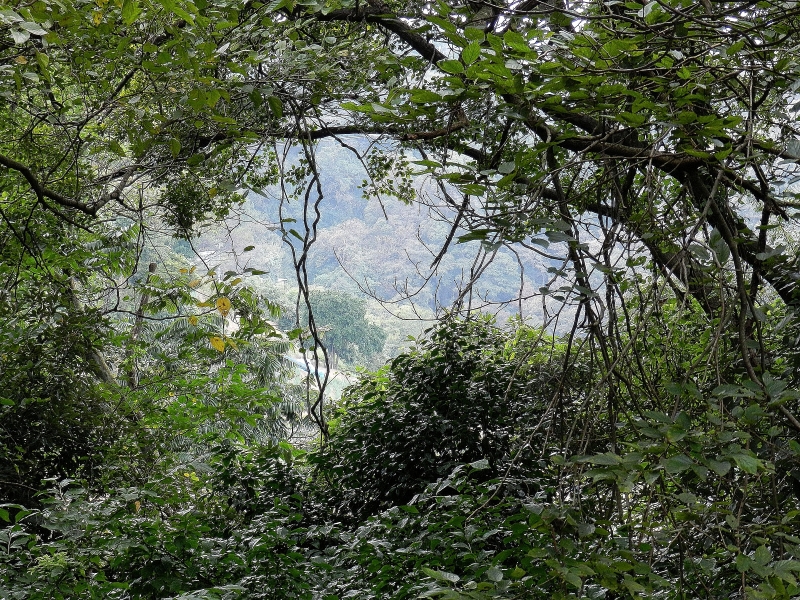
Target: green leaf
<point x="197" y="98"/>
<point x="784" y="568"/>
<point x="607" y="458"/>
<point x="179" y="10"/>
<point x="774" y="387"/>
<point x="130" y="11"/>
<point x="494" y="573"/>
<point x="116" y="148"/>
<point x="515" y="41"/>
<point x="424" y="96"/>
<point x="474" y="189"/>
<point x="212" y="97"/>
<point x="743" y="563"/>
<point x="480" y="465"/>
<point x="22" y="512"/>
<point x="380" y="108"/>
<point x="441" y="575"/>
<point x="427" y="163"/>
<point x="573" y="579"/>
<point x="719" y="467"/>
<point x="677" y="464"/>
<point x="617" y="46"/>
<point x="735" y="47"/>
<point x="476" y="234"/>
<point x="632" y="119"/>
<point x="20" y="37"/>
<point x="445" y="24"/>
<point x="633" y="586"/>
<point x="474" y="34"/>
<point x="275" y="106"/>
<point x="276" y="5"/>
<point x="43" y="61"/>
<point x="728" y="390"/>
<point x="453" y="67"/>
<point x="747" y="463"/>
<point x="33" y="28"/>
<point x="471" y="53"/>
<point x="762" y="555"/>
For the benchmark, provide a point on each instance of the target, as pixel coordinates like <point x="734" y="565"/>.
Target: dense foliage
<point x="345" y="331"/>
<point x="459" y="397"/>
<point x="640" y="441"/>
<point x="402" y="502"/>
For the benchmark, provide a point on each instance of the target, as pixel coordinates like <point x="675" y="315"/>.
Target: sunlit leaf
<point x="223" y="306"/>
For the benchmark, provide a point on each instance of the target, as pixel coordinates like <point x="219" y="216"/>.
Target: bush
<point x="463" y="395"/>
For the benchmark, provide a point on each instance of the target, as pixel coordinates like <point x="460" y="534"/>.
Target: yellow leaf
<point x="194" y="283"/>
<point x="21" y="60"/>
<point x="192" y="269"/>
<point x="97" y="17"/>
<point x="236" y="281"/>
<point x="223" y="306"/>
<point x="218" y="344"/>
<point x="212" y="192"/>
<point x="193" y="320"/>
<point x="137" y="506"/>
<point x="184" y="270"/>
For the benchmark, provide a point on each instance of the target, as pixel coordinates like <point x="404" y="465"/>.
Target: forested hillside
<point x="209" y="208"/>
<point x="376" y="249"/>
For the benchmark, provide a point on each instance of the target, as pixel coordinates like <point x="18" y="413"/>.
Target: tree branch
<point x="41" y="191"/>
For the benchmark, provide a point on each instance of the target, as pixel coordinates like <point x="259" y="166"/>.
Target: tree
<point x="584" y="117"/>
<point x="55" y="420"/>
<point x="649" y="120"/>
<point x="346" y="331"/>
<point x="462" y="395"/>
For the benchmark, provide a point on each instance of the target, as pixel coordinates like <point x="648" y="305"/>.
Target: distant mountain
<point x="378" y="246"/>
